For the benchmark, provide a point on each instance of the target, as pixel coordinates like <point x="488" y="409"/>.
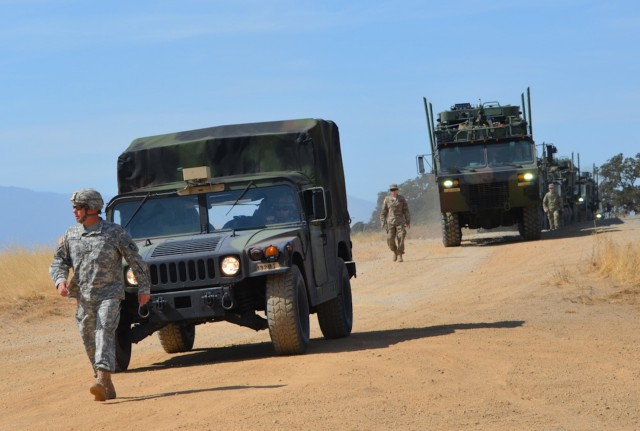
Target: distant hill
<point x="32" y="218"/>
<point x="360" y="210"/>
<point x="29" y="218"/>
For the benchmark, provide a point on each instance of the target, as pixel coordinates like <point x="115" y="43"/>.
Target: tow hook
<point x="227" y="301"/>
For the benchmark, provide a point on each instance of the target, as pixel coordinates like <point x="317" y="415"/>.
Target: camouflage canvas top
<point x="308" y="146"/>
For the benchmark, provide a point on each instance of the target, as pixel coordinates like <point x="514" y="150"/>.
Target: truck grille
<point x="489" y="196"/>
<point x="183" y="271"/>
<point x="185" y="247"/>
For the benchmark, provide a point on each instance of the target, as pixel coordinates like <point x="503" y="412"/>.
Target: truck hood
<point x="222" y="242"/>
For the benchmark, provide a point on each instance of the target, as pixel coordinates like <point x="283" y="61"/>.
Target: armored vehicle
<point x="486" y="169"/>
<point x="578" y="190"/>
<point x="244" y="223"/>
<point x="587" y="201"/>
<point x="564" y="175"/>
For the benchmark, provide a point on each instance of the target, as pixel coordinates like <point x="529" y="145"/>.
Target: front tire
<point x="177" y="338"/>
<point x="123" y="345"/>
<point x="288" y="312"/>
<point x="451" y="231"/>
<point x="336" y="315"/>
<point x="531" y="223"/>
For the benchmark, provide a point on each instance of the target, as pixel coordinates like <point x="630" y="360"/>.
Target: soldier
<point x="552" y="206"/>
<point x="395" y="215"/>
<point x="94" y="249"/>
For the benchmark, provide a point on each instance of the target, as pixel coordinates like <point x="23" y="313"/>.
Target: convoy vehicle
<point x="243" y="223"/>
<point x="577" y="189"/>
<point x="486" y="168"/>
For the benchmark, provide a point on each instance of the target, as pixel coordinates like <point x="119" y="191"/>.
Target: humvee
<point x="243" y="223"/>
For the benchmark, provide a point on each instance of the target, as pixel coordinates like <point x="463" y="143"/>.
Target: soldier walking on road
<point x="552" y="205"/>
<point x="395" y="215"/>
<point x="94" y="249"/>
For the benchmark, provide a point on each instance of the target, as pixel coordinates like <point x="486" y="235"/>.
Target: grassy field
<point x="28" y="291"/>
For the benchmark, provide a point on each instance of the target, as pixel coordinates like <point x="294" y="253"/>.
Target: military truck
<point x="486" y="168"/>
<point x="565" y="176"/>
<point x="243" y="223"/>
<point x="587" y="202"/>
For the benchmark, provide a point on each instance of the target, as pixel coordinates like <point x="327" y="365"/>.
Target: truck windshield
<point x="509" y="153"/>
<point x="498" y="154"/>
<point x="253" y="208"/>
<point x="169" y="215"/>
<point x="462" y="157"/>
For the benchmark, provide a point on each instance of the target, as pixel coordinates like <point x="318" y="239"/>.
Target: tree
<point x="618" y="178"/>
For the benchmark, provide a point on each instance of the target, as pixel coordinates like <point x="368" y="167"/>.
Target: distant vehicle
<point x="578" y="190"/>
<point x="242" y="223"/>
<point x="485" y="163"/>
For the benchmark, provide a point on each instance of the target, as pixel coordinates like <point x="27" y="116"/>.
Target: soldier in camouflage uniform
<point x="552" y="205"/>
<point x="94" y="249"/>
<point x="395" y="215"/>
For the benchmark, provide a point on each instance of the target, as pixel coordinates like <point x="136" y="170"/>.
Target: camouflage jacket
<point x="395" y="211"/>
<point x="95" y="253"/>
<point x="552" y="202"/>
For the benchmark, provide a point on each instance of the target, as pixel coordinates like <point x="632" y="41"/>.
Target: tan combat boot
<point x="395" y="256"/>
<point x="400" y="258"/>
<point x="98" y="391"/>
<point x="103" y="389"/>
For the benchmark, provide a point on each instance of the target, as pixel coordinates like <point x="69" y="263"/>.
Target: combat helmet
<point x="89" y="197"/>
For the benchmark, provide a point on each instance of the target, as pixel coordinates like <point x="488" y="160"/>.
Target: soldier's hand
<point x="143" y="298"/>
<point x="63" y="289"/>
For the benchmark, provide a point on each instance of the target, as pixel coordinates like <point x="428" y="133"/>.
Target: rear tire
<point x="336" y="316"/>
<point x="288" y="312"/>
<point x="451" y="231"/>
<point x="177" y="338"/>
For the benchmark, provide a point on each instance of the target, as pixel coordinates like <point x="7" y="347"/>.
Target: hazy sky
<point x="79" y="80"/>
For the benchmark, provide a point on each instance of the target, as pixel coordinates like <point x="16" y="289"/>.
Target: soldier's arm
<point x="407" y="214"/>
<point x="384" y="212"/>
<point x="61" y="264"/>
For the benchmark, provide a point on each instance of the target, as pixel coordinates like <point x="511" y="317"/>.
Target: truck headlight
<point x="230" y="265"/>
<point x="528" y="176"/>
<point x="447" y="184"/>
<point x="131" y="278"/>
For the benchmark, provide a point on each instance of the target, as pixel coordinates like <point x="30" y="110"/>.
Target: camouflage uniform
<point x="395" y="214"/>
<point x="552" y="205"/>
<point x="95" y="253"/>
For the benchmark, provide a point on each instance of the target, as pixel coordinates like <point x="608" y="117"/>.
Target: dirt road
<point x="497" y="334"/>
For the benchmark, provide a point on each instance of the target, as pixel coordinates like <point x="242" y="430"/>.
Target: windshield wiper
<point x="137" y="209"/>
<point x="251" y="183"/>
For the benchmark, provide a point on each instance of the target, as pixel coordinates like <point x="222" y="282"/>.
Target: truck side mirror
<point x="315" y="204"/>
<point x="421" y="164"/>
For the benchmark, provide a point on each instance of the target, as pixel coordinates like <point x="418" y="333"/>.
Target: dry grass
<point x="561" y="276"/>
<point x="27" y="289"/>
<point x="618" y="262"/>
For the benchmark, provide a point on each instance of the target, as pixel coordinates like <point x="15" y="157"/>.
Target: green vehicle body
<point x="200" y="205"/>
<point x="486" y="168"/>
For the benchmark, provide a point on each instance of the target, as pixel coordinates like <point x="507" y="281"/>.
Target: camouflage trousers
<point x="554" y="219"/>
<point x="97" y="322"/>
<point x="395" y="238"/>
